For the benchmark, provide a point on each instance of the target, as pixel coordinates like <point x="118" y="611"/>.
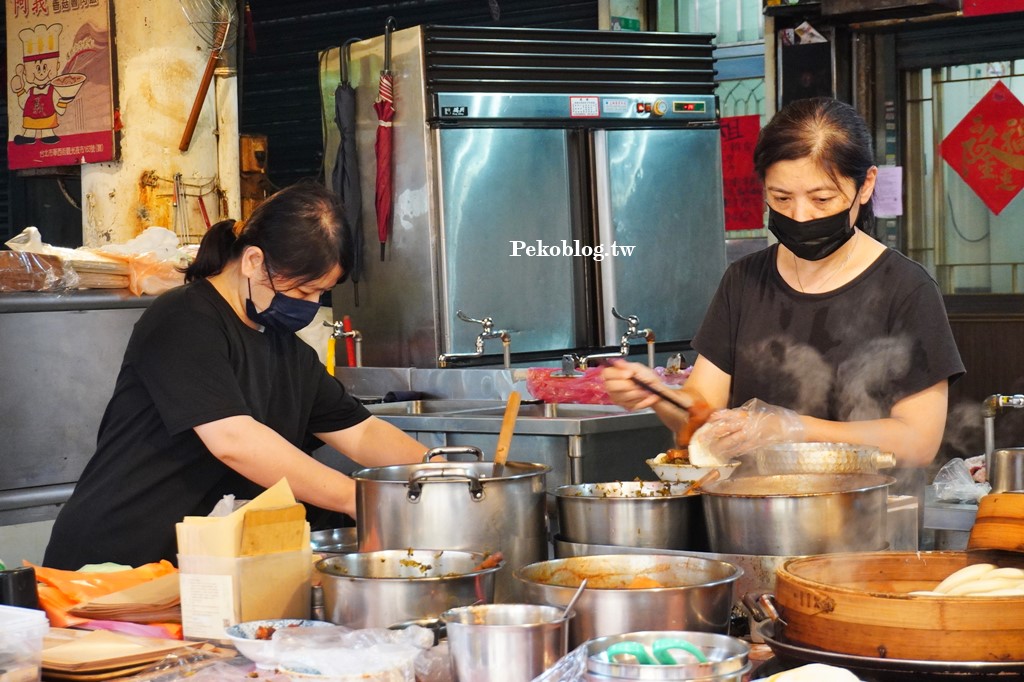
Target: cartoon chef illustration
<point x="42" y="94"/>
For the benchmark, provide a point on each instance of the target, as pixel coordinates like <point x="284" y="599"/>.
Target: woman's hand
<point x="730" y="433"/>
<point x="618" y="381"/>
<point x="624" y="391"/>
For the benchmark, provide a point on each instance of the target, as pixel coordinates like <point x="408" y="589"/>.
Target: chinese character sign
<point x="744" y="199"/>
<point x="60" y="86"/>
<point x="987" y="148"/>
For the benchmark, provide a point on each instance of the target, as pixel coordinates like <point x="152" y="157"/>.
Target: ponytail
<point x="300" y="229"/>
<point x="219" y="245"/>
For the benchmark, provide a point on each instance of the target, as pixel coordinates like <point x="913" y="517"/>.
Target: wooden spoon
<point x="508" y="423"/>
<point x="505" y="434"/>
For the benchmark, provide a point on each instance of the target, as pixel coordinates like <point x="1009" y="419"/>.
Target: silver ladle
<point x="575" y="597"/>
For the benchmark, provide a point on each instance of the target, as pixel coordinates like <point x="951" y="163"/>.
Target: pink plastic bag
<point x="588" y="389"/>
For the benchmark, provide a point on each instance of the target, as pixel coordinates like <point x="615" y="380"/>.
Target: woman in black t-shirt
<point x="217" y="395"/>
<point x="827" y="336"/>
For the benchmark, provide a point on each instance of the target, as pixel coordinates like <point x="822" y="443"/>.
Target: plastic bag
<point x="954" y="483"/>
<point x="588" y="389"/>
<point x="60" y="590"/>
<point x="341" y="653"/>
<point x="94" y="270"/>
<point x="35" y="272"/>
<point x="153" y="260"/>
<point x="976" y="465"/>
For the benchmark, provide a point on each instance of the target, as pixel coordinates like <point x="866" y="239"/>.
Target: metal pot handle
<point x="761" y="605"/>
<point x="884" y="460"/>
<point x="447" y="450"/>
<point x="416" y="480"/>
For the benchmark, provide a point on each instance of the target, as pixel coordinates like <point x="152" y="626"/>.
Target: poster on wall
<point x="986" y="148"/>
<point x="60" y="87"/>
<point x="744" y="199"/>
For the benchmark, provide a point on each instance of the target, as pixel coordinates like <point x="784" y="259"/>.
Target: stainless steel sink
<point x="411" y="407"/>
<point x="486" y="415"/>
<point x="580" y="442"/>
<point x="552" y="411"/>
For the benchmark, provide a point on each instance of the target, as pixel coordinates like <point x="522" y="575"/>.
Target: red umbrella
<point x="385" y="108"/>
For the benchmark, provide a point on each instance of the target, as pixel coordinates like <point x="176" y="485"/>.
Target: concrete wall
<point x="160" y="62"/>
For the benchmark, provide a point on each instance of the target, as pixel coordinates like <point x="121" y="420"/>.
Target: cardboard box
<point x="217" y="592"/>
<point x="255" y="563"/>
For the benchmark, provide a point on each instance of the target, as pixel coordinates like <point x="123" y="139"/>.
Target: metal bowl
<point x="334" y="541"/>
<point x="635" y="592"/>
<point x="380" y="589"/>
<point x="631" y="514"/>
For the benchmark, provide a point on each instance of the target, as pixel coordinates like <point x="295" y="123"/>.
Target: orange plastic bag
<point x="61" y="590"/>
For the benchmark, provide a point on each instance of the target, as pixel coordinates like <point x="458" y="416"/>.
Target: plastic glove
<point x="730" y="433"/>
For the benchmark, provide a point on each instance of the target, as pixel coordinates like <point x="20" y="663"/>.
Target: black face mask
<point x="284" y="313"/>
<point x="811" y="239"/>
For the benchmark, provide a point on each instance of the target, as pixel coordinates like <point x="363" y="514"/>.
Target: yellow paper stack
<point x="252" y="564"/>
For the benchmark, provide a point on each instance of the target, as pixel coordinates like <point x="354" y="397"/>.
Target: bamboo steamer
<point x="857" y="603"/>
<point x="999" y="523"/>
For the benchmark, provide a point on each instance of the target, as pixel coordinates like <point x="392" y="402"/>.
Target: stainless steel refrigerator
<point x="541" y="178"/>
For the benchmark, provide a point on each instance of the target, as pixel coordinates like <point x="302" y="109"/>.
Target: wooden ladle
<point x="508" y="423"/>
<point x="703" y="480"/>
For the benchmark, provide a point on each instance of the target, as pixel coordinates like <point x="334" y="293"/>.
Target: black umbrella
<point x="345" y="178"/>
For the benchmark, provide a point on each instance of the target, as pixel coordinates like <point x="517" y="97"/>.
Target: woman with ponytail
<point x="217" y="395"/>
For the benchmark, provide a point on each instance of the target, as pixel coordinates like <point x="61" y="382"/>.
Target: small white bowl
<point x="261" y="651"/>
<point x="675" y="473"/>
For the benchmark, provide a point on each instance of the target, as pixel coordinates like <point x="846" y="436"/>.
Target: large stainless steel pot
<point x="638" y="592"/>
<point x="795" y="514"/>
<point x="631" y="514"/>
<point x="384" y="588"/>
<point x="457" y="505"/>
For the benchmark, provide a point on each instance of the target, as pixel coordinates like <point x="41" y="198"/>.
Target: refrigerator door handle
<point x="605" y="231"/>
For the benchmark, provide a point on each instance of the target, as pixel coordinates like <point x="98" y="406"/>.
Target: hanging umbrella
<point x="385" y="108"/>
<point x="345" y="177"/>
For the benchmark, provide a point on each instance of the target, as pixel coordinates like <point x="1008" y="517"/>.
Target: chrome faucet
<point x="991" y="406"/>
<point x="340" y="333"/>
<point x="572" y="362"/>
<point x="488" y="333"/>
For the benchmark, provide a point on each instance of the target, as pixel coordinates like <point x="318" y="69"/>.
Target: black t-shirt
<point x="190" y="361"/>
<point x="844" y="355"/>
